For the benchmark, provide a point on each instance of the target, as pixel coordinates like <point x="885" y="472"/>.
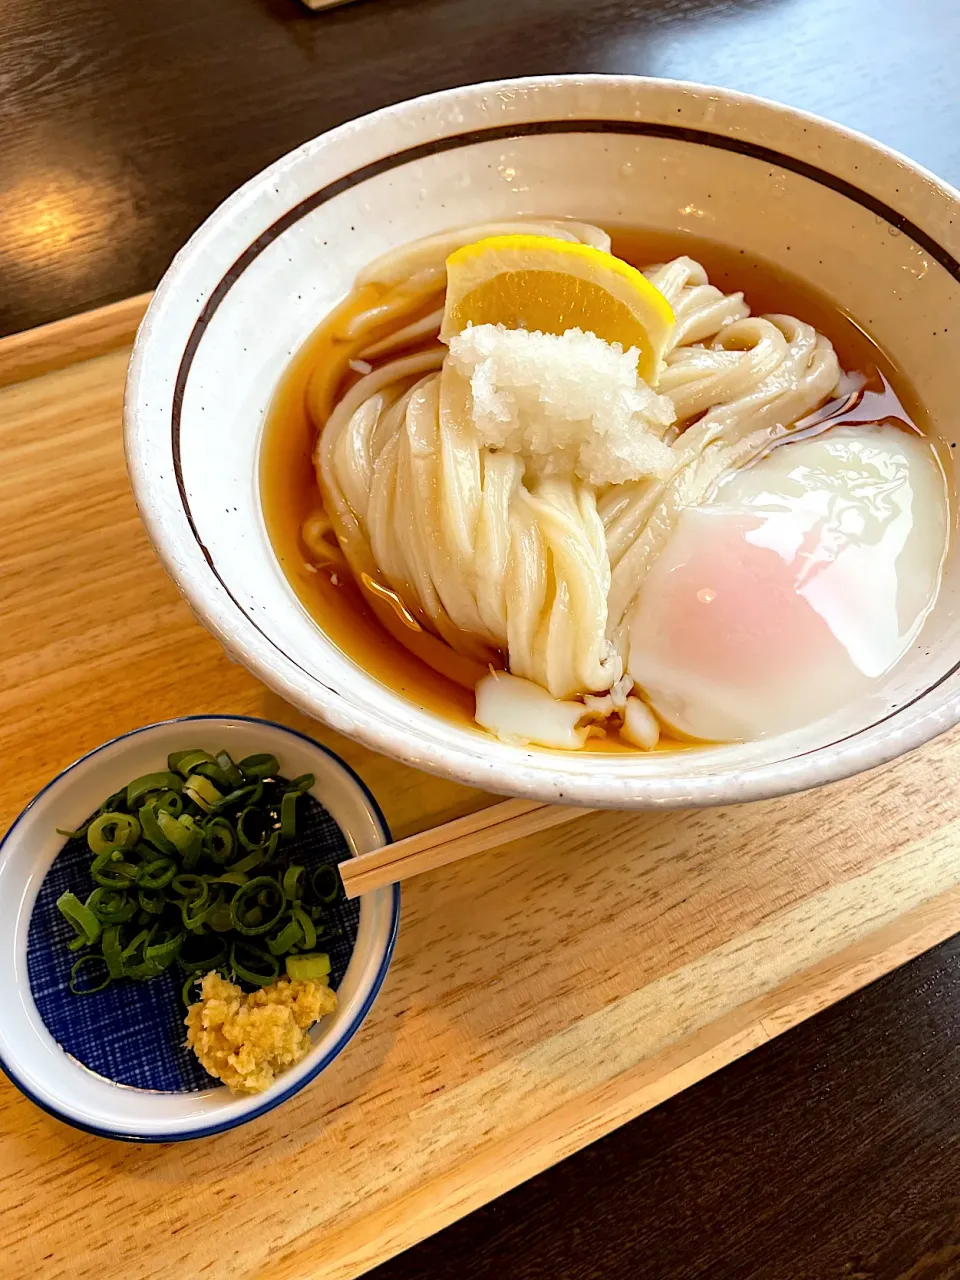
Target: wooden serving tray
<point x="540" y="995"/>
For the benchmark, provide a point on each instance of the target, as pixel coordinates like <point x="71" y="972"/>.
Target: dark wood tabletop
<point x="833" y="1151"/>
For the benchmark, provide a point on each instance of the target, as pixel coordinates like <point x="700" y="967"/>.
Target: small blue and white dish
<point x="114" y="1063"/>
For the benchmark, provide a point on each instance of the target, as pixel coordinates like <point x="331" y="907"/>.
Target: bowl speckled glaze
<point x="856" y="220"/>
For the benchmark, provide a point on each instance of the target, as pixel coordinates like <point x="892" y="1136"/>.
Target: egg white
<point x="801" y="582"/>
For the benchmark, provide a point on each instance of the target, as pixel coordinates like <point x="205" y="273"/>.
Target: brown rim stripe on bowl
<point x="499" y="133"/>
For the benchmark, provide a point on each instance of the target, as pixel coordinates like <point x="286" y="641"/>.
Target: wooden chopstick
<point x="496" y="825"/>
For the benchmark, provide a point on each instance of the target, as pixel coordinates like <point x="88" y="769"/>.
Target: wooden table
<point x="831" y="1151"/>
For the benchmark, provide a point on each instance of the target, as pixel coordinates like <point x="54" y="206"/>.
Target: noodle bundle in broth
<point x="590" y="550"/>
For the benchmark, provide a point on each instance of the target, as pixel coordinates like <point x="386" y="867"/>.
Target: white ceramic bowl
<point x="31" y="1056"/>
<point x="853" y="218"/>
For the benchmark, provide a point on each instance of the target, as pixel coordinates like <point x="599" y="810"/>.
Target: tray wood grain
<point x="541" y="994"/>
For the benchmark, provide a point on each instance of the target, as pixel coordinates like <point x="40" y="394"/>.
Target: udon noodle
<point x="510" y="562"/>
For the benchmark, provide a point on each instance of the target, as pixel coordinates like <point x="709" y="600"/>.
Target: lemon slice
<point x="535" y="282"/>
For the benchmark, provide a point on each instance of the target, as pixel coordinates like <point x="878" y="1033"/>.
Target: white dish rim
<point x="337" y="1045"/>
<point x="480" y="766"/>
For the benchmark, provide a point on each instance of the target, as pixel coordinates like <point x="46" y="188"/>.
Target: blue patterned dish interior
<point x="132" y="1033"/>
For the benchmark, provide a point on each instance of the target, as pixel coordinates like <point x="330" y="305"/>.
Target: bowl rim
<point x="275" y="1100"/>
<point x="479" y="765"/>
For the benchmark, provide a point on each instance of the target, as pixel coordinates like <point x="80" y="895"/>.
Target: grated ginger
<point x="246" y="1040"/>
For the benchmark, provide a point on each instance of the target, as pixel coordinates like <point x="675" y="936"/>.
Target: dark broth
<point x="288" y="485"/>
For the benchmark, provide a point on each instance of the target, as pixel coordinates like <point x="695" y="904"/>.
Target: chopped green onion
<point x="75" y="971"/>
<point x="202" y="792"/>
<point x="303" y="968"/>
<point x="219" y="840"/>
<point x="260" y="766"/>
<point x="233" y="876"/>
<point x="112" y="952"/>
<point x="133" y="947"/>
<point x="111" y="906"/>
<point x="306" y="928"/>
<point x="112" y="831"/>
<point x="288" y="815"/>
<point x="292" y="877"/>
<point x="242" y="906"/>
<point x="247" y="863"/>
<point x="184" y="761"/>
<point x="114" y="803"/>
<point x="326" y="883"/>
<point x="171" y="802"/>
<point x="189" y="886"/>
<point x="253" y="794"/>
<point x="230" y="771"/>
<point x="149" y="822"/>
<point x="164" y="953"/>
<point x="218" y="917"/>
<point x="157" y="874"/>
<point x="171" y="887"/>
<point x="241" y="956"/>
<point x="184" y="834"/>
<point x="139" y="857"/>
<point x="210" y="769"/>
<point x="74" y="835"/>
<point x="258" y="838"/>
<point x="143" y="971"/>
<point x="109" y="869"/>
<point x="194" y="911"/>
<point x="152" y="901"/>
<point x="191" y="855"/>
<point x="289" y="937"/>
<point x="81" y="917"/>
<point x="305" y="782"/>
<point x="150" y="782"/>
